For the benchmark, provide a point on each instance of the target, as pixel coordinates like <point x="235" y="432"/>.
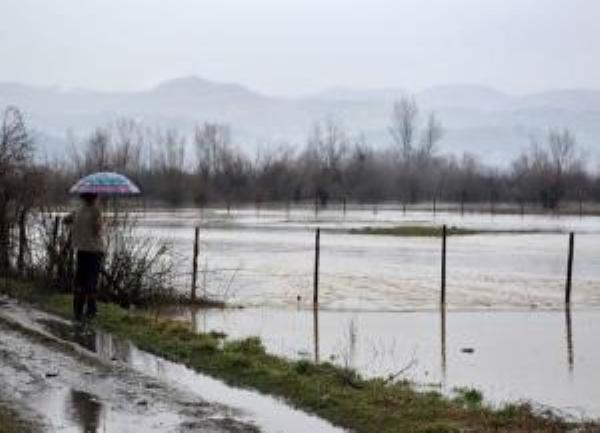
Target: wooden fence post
<point x="443" y="296"/>
<point x="570" y="268"/>
<point x="53" y="248"/>
<point x="316" y="275"/>
<point x="195" y="263"/>
<point x="55" y="231"/>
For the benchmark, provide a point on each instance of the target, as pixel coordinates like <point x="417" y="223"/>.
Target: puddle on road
<point x="267" y="413"/>
<point x="70" y="395"/>
<point x="86" y="409"/>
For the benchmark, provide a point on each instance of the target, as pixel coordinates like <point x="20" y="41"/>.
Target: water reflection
<point x="316" y="333"/>
<point x="570" y="350"/>
<point x="77" y="334"/>
<point x="507" y="355"/>
<point x="267" y="413"/>
<point x="101" y="343"/>
<point x="443" y="342"/>
<point x="85" y="410"/>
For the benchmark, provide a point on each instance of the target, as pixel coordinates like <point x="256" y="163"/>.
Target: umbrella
<point x="105" y="183"/>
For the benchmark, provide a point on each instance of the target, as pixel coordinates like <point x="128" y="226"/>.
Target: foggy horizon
<point x="311" y="93"/>
<point x="301" y="48"/>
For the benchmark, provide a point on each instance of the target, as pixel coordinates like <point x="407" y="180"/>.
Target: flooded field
<point x="265" y="258"/>
<point x="549" y="357"/>
<point x="505" y="331"/>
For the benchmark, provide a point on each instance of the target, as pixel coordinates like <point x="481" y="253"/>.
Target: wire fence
<point x="271" y="276"/>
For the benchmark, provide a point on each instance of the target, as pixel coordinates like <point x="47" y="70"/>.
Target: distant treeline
<point x="208" y="168"/>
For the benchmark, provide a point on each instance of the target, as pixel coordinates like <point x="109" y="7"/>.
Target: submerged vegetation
<point x="410" y="231"/>
<point x="337" y="394"/>
<point x="431" y="231"/>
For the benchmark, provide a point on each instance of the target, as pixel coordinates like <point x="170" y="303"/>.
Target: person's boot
<point x="78" y="305"/>
<point x="91" y="308"/>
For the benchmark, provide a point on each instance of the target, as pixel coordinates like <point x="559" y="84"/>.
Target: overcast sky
<point x="301" y="46"/>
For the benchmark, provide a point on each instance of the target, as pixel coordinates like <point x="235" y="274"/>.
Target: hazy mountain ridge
<point x="479" y="119"/>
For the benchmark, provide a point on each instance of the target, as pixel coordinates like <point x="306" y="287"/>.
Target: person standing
<point x="86" y="232"/>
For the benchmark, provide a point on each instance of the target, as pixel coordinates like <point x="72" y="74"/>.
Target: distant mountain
<point x="579" y="100"/>
<point x="464" y="96"/>
<point x="477" y="119"/>
<point x="357" y="95"/>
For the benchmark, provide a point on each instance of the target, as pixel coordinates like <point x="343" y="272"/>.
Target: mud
<point x="72" y="395"/>
<point x="105" y="384"/>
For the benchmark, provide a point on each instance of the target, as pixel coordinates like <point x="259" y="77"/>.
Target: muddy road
<point x="68" y="391"/>
<point x="70" y="378"/>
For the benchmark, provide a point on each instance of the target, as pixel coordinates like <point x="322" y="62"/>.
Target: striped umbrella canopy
<point x="105" y="183"/>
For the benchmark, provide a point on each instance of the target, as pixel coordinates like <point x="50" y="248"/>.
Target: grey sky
<point x="301" y="46"/>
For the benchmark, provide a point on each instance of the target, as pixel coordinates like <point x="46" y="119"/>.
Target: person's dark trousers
<point x="86" y="283"/>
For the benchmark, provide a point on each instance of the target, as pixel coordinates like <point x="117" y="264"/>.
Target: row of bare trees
<point x="207" y="167"/>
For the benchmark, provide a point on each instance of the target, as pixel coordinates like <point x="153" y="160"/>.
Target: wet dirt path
<point x="70" y="391"/>
<point x="79" y="379"/>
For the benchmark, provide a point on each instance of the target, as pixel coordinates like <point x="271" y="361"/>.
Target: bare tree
<point x="562" y="147"/>
<point x="170" y="165"/>
<point x="431" y="136"/>
<point x="16" y="157"/>
<point x="403" y="128"/>
<point x="210" y="140"/>
<point x="128" y="142"/>
<point x="324" y="158"/>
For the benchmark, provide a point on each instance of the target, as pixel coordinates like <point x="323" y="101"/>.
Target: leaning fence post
<point x="443" y="296"/>
<point x="570" y="268"/>
<point x="195" y="263"/>
<point x="316" y="275"/>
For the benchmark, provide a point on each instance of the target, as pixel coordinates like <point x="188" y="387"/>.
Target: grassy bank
<point x="336" y="394"/>
<point x="432" y="231"/>
<point x="12" y="422"/>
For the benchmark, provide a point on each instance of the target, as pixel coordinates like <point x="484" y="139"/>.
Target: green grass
<point x="413" y="231"/>
<point x="431" y="231"/>
<point x="11" y="422"/>
<point x="469" y="397"/>
<point x="336" y="394"/>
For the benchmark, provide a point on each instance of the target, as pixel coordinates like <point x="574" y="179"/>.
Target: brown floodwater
<point x="548" y="357"/>
<point x="266" y="258"/>
<point x="505" y="330"/>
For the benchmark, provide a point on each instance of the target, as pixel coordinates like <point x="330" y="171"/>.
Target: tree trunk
<point x="22" y="241"/>
<point x="4" y="240"/>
